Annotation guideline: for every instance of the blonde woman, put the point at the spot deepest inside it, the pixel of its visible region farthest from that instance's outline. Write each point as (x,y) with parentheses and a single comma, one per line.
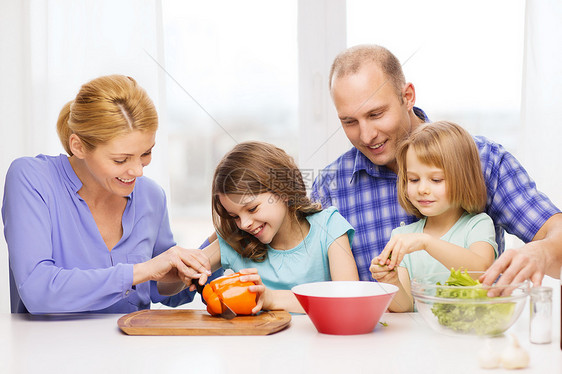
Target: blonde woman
(86,232)
(440,181)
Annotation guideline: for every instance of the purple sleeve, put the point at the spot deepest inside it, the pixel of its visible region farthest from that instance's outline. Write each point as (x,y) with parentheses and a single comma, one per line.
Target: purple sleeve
(43,286)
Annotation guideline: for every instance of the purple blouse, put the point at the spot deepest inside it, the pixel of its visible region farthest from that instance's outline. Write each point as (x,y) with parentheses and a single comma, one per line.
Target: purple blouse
(58,259)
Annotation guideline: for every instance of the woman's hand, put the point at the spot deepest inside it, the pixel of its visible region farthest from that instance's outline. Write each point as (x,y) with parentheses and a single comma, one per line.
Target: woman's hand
(176,264)
(400,245)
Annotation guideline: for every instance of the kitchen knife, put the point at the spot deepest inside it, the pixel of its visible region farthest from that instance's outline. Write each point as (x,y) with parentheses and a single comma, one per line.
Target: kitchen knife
(227,313)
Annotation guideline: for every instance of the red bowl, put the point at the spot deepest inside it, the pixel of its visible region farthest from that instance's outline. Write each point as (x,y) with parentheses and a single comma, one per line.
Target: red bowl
(345,307)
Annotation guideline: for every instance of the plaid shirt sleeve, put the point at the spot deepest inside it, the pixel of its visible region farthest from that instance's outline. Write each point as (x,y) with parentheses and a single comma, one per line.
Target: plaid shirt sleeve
(514,202)
(320,192)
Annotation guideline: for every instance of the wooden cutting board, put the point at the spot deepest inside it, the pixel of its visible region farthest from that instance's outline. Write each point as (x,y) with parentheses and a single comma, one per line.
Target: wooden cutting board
(199,322)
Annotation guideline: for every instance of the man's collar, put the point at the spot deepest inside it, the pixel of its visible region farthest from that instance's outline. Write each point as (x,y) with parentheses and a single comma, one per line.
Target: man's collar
(363,163)
(421,114)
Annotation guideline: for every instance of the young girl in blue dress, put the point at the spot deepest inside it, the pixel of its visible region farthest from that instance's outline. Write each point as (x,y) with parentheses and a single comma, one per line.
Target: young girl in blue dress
(440,181)
(268,228)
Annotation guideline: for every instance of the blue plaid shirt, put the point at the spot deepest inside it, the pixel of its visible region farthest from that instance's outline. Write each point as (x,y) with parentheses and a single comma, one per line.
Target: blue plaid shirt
(365,194)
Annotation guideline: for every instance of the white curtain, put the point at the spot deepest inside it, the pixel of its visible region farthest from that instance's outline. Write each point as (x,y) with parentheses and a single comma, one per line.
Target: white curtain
(541,109)
(48,50)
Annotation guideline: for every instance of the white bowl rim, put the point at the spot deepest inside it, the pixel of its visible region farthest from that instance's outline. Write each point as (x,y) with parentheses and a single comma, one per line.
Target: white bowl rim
(341,289)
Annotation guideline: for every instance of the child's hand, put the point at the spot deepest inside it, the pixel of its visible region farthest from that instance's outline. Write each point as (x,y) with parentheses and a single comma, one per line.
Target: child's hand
(382,273)
(399,245)
(251,274)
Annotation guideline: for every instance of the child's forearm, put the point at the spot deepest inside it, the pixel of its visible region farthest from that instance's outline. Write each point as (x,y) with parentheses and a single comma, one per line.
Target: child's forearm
(479,256)
(402,301)
(282,300)
(213,252)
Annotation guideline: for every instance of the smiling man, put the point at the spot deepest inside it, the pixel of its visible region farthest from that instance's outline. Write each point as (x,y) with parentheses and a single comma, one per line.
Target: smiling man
(375,105)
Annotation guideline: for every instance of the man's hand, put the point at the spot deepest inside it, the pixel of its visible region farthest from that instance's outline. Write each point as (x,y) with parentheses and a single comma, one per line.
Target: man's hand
(532,261)
(515,266)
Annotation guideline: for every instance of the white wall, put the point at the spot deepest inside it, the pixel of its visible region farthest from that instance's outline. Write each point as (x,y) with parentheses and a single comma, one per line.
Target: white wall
(12,103)
(541,106)
(322,35)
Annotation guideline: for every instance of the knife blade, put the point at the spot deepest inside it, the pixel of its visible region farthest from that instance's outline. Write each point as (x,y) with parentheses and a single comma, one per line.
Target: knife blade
(227,313)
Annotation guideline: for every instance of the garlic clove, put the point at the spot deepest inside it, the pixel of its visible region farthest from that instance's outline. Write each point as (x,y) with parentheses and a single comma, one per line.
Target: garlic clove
(488,358)
(514,356)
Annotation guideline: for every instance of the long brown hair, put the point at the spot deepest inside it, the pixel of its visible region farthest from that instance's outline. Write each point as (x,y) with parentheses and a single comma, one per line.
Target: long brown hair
(447,146)
(253,168)
(105,108)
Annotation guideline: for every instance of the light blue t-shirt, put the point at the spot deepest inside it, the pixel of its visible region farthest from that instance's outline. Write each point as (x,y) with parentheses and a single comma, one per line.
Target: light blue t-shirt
(307,262)
(470,228)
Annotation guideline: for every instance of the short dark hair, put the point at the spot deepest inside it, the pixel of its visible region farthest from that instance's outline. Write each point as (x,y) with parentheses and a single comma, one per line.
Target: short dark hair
(352,59)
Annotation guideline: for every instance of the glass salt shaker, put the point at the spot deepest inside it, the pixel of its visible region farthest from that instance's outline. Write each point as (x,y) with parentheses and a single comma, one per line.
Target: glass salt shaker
(540,323)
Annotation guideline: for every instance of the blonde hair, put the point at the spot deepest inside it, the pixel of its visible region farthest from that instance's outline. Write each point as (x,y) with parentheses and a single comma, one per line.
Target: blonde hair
(447,146)
(105,108)
(253,168)
(352,59)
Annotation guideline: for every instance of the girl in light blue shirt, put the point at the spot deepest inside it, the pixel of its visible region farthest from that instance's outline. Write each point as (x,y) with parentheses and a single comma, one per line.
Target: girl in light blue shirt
(440,181)
(268,228)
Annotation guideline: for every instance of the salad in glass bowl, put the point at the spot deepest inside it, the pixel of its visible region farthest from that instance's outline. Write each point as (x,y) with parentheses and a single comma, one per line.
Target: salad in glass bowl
(458,303)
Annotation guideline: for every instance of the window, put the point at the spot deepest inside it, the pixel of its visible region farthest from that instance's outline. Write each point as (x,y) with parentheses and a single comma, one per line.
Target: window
(465,59)
(231,77)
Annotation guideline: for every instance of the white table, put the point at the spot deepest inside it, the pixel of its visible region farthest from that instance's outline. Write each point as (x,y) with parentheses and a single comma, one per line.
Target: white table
(94,344)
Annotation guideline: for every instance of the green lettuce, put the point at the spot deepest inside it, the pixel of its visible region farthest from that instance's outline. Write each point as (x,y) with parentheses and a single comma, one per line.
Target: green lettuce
(480,319)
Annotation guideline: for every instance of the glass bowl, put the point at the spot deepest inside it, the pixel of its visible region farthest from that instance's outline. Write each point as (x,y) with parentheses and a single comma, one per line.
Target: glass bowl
(458,310)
